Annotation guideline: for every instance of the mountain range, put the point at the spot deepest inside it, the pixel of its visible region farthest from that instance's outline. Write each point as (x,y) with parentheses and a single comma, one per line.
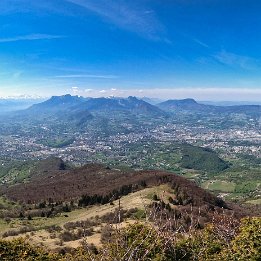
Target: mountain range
(133,104)
(74,103)
(79,111)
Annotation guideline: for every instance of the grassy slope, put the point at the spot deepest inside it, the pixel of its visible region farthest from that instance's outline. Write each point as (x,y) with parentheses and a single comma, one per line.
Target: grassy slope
(139,199)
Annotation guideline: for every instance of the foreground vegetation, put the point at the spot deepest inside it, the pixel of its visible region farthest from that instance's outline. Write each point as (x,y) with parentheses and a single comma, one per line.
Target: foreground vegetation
(220,240)
(94,212)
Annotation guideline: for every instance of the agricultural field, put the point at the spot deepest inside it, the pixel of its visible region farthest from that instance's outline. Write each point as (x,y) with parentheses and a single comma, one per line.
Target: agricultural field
(218,185)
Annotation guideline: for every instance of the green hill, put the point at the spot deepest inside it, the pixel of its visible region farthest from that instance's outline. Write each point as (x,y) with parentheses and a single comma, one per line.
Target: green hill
(202,159)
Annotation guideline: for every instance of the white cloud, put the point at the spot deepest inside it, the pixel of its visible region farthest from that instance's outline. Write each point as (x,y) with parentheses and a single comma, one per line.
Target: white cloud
(127,16)
(235,60)
(30,37)
(104,76)
(200,43)
(75,90)
(200,94)
(214,94)
(211,94)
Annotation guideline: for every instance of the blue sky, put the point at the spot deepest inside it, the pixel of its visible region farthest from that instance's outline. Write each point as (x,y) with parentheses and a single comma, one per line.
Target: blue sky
(205,49)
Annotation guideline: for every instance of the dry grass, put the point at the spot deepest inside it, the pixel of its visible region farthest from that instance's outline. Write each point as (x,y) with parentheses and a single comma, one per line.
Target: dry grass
(41,236)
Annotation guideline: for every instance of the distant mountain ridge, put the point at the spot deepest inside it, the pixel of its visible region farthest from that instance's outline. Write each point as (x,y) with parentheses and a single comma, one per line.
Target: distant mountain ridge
(57,103)
(184,104)
(71,104)
(190,105)
(10,105)
(79,110)
(131,104)
(152,101)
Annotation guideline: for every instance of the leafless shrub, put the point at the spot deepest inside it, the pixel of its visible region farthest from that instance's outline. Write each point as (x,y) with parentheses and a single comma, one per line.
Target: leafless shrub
(21,230)
(107,233)
(88,223)
(75,235)
(54,228)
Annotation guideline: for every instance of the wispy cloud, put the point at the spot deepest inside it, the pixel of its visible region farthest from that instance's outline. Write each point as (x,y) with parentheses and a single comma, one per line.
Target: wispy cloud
(127,16)
(135,16)
(200,43)
(88,76)
(235,60)
(30,37)
(29,6)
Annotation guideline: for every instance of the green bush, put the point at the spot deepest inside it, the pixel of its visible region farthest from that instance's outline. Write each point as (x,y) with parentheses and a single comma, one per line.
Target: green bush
(141,241)
(20,250)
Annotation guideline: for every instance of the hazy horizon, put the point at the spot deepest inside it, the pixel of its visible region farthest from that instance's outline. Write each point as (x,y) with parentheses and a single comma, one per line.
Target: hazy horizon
(215,95)
(26,101)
